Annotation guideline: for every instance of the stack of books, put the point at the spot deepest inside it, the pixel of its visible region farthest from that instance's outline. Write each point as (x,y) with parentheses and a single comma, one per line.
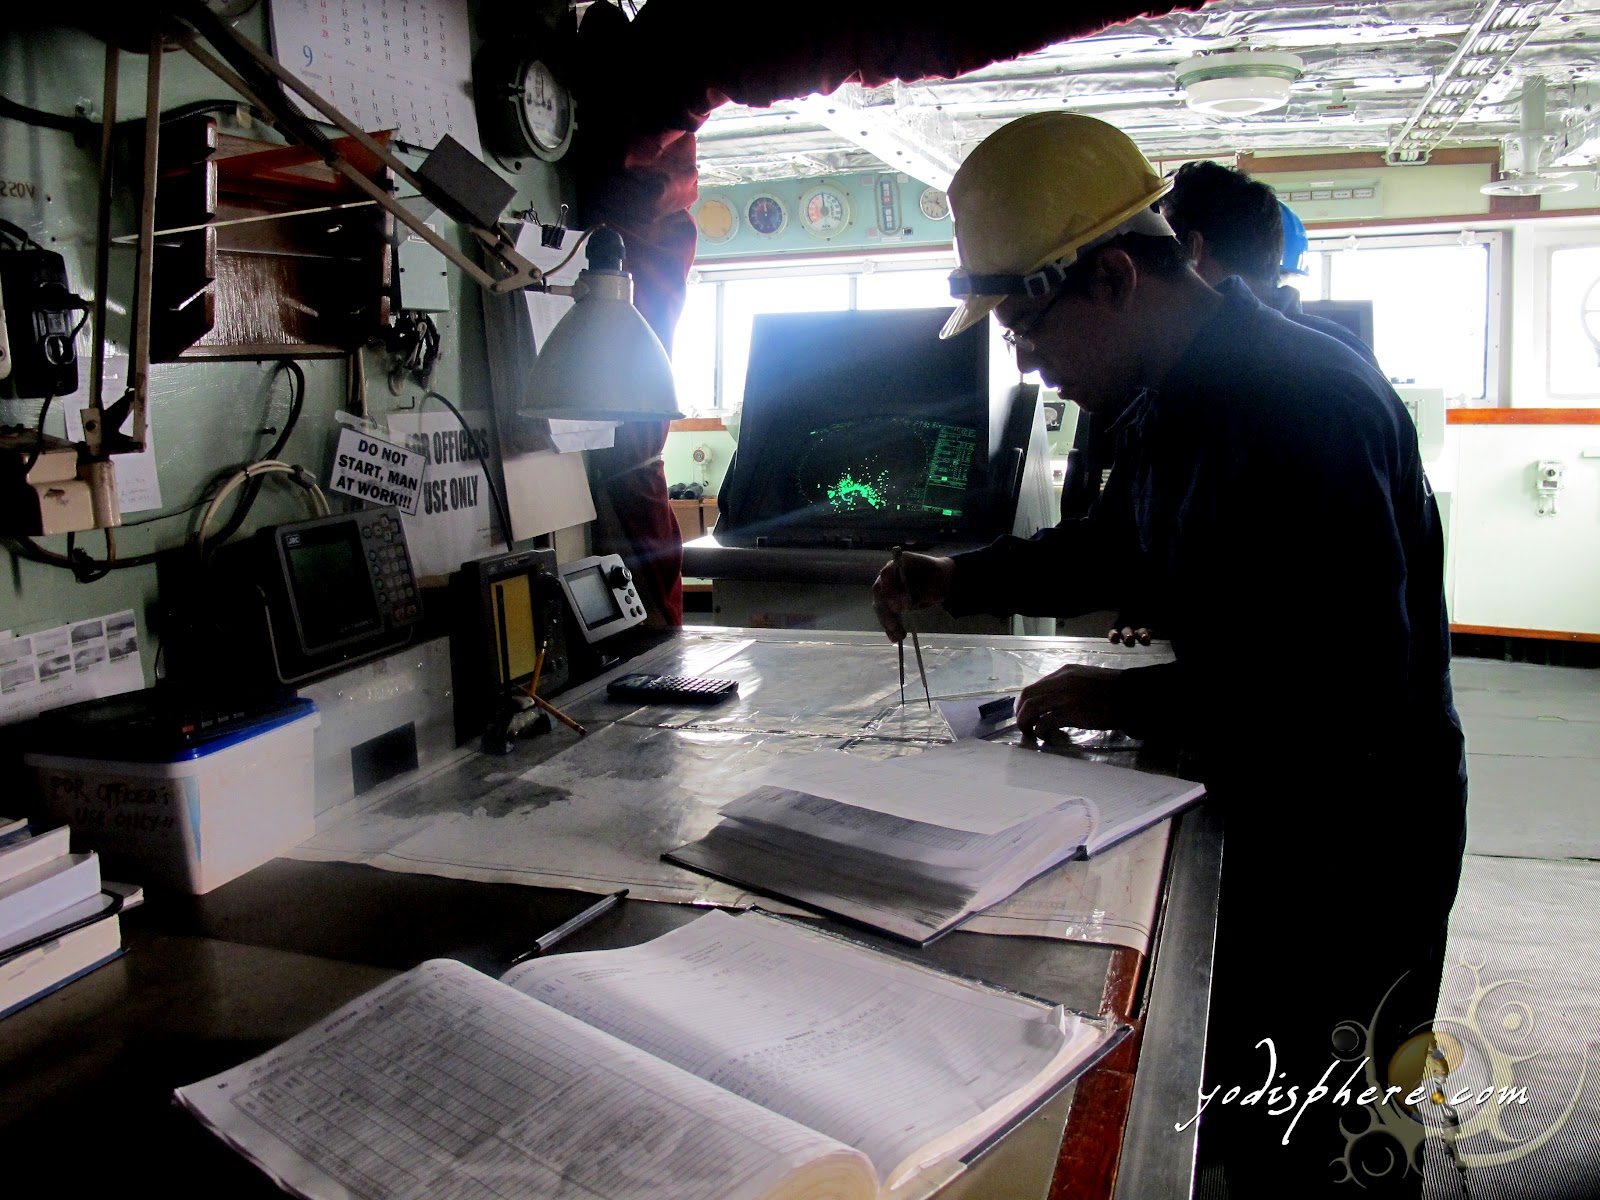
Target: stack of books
(58,920)
(912,846)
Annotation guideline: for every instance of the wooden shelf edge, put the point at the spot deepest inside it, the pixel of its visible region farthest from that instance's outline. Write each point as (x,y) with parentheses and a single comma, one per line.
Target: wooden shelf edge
(1522,416)
(696,424)
(1548,635)
(1363,160)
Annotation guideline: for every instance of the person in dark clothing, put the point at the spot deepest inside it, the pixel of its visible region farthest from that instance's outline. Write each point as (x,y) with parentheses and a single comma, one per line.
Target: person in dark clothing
(1265,476)
(1231,225)
(1234,225)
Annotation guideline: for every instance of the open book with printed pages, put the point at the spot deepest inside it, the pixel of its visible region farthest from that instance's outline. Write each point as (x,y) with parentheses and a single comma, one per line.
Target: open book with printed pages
(736,1058)
(914,845)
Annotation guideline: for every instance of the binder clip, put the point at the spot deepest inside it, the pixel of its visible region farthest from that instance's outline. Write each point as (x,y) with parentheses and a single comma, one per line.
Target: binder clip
(551,236)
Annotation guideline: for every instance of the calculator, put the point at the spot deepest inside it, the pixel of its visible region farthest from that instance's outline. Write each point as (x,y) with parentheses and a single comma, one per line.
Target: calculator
(671,689)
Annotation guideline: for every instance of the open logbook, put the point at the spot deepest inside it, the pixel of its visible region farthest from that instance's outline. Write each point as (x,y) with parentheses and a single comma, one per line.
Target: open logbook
(915,845)
(735,1058)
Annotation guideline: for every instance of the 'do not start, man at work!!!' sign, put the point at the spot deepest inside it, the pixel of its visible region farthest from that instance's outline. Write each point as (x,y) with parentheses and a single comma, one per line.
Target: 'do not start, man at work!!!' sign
(377,471)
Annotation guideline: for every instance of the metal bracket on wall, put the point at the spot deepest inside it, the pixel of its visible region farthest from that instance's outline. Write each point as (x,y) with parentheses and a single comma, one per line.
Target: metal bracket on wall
(102,426)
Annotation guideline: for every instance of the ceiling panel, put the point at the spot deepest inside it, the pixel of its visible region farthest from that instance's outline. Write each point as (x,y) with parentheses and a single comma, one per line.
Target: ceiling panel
(1368,69)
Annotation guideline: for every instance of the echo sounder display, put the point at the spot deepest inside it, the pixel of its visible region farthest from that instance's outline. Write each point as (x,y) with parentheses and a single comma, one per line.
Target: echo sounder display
(332,590)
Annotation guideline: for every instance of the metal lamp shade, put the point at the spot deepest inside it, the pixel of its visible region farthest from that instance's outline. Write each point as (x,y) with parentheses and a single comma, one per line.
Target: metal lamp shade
(602,362)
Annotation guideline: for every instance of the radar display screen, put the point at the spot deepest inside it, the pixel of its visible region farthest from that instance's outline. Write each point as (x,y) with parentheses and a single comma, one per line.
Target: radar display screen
(861,428)
(890,468)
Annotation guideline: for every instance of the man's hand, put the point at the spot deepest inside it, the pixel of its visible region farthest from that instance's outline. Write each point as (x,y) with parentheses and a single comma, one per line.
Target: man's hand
(1072,698)
(927,582)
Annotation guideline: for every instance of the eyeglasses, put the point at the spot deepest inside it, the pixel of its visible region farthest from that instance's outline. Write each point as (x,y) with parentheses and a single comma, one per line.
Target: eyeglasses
(1021,339)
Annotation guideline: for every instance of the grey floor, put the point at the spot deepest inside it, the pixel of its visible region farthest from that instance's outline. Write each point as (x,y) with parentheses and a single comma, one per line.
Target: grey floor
(1522,977)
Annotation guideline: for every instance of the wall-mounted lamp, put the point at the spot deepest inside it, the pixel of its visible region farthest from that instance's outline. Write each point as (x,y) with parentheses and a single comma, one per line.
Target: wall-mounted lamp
(602,362)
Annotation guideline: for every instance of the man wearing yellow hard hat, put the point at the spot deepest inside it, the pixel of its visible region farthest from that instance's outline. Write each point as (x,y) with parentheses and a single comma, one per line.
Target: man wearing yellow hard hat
(1268,511)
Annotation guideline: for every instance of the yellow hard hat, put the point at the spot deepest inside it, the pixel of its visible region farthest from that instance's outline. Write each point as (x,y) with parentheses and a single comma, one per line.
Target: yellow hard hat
(1035,193)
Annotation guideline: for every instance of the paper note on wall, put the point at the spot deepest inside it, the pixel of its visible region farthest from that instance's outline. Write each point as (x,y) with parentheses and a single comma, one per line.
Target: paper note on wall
(456,520)
(546,491)
(377,471)
(88,659)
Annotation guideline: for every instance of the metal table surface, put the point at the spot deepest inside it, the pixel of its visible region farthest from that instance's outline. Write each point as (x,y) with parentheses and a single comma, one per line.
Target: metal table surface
(212,980)
(708,558)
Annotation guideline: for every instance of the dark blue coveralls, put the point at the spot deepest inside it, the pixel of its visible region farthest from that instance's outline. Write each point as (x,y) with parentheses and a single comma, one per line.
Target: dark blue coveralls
(1287,301)
(1093,443)
(1268,511)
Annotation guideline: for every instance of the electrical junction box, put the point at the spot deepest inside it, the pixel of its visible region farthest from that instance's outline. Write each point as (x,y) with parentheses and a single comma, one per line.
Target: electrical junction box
(51,498)
(424,283)
(1548,476)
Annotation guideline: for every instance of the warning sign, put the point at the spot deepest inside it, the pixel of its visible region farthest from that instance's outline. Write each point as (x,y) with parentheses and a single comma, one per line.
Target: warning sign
(377,471)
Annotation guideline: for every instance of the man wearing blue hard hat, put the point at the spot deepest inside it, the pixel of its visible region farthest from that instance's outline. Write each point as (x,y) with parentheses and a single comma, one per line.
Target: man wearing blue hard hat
(1266,477)
(1232,224)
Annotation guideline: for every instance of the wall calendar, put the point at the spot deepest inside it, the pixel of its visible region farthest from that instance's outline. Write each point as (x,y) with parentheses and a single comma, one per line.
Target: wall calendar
(404,65)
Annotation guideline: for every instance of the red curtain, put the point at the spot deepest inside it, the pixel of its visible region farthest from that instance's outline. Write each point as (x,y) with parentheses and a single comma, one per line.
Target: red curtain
(644,87)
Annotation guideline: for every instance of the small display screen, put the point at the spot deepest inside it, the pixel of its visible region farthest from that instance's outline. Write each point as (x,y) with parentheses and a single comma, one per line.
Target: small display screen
(332,589)
(596,602)
(515,643)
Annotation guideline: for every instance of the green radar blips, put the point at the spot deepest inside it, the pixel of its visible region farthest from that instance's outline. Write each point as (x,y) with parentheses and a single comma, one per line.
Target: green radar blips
(849,492)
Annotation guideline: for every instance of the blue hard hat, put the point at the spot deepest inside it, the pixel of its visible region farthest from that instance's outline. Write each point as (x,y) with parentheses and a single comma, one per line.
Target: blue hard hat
(1294,242)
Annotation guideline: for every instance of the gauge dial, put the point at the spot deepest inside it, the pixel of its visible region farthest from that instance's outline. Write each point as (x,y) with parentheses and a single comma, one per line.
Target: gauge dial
(545,109)
(825,211)
(767,215)
(935,205)
(716,221)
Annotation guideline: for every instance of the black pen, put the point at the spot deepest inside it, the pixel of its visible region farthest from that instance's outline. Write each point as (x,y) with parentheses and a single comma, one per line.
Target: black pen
(562,931)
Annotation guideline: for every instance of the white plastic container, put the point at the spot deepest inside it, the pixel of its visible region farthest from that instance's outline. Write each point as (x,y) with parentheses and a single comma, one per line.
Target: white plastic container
(197,821)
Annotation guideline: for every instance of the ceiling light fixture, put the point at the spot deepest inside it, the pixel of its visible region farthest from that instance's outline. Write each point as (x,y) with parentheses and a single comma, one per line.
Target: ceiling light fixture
(1239,83)
(1522,154)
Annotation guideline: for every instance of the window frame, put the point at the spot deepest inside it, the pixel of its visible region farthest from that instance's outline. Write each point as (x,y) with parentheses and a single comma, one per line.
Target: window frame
(1332,241)
(1532,359)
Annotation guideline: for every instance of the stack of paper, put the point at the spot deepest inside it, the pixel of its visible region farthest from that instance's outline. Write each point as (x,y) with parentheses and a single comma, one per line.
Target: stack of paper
(56,922)
(915,845)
